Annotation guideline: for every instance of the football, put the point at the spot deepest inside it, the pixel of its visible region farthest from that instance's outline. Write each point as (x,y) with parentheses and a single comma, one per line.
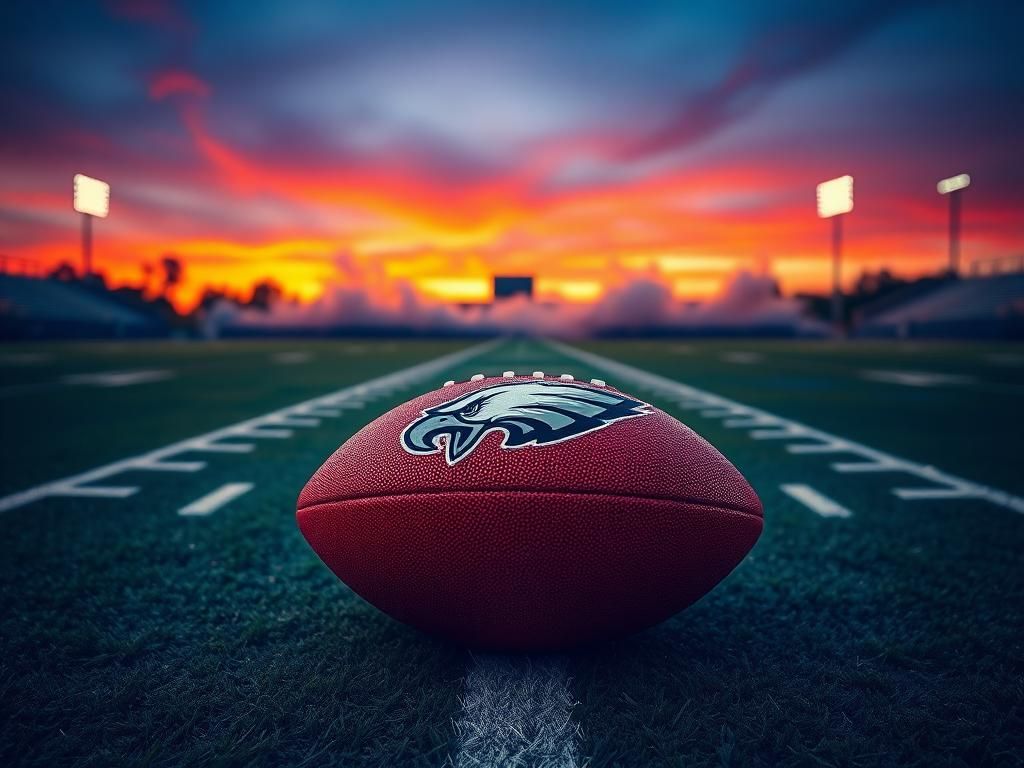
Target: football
(529,513)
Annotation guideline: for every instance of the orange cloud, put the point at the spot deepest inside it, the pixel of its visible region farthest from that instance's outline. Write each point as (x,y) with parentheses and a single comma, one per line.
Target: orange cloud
(687,229)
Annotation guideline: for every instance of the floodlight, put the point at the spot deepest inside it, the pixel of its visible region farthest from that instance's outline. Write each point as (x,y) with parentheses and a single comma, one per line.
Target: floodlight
(953,183)
(835,197)
(951,188)
(92,196)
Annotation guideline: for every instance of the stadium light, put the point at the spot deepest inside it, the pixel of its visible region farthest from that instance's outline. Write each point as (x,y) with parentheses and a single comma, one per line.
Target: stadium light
(92,196)
(835,199)
(954,183)
(91,199)
(952,187)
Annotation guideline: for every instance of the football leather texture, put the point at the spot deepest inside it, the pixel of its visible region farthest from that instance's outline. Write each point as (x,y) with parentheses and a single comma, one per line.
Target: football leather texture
(528,513)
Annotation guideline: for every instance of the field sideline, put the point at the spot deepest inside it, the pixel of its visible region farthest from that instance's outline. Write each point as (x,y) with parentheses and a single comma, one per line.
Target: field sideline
(876,621)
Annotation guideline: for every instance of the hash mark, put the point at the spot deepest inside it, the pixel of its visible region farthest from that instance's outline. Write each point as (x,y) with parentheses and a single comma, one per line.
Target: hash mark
(817,502)
(211,502)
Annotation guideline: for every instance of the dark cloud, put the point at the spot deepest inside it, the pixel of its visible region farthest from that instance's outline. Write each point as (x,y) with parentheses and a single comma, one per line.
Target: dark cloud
(784,49)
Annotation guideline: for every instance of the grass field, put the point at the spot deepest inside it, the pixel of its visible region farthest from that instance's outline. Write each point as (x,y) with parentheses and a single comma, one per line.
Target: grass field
(875,629)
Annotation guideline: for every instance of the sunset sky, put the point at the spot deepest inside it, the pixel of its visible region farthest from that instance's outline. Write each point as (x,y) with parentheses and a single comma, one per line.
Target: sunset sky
(440,143)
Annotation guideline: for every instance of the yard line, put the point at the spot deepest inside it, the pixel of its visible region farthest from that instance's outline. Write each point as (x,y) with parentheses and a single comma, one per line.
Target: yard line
(839,446)
(266,434)
(104,379)
(223,447)
(296,421)
(95,491)
(119,378)
(744,423)
(817,502)
(173,466)
(322,413)
(782,432)
(77,485)
(916,378)
(742,358)
(291,358)
(876,461)
(211,502)
(517,710)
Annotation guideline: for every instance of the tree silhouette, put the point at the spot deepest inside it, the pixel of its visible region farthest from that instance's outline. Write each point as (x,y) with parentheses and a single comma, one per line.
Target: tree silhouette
(63,272)
(173,272)
(265,293)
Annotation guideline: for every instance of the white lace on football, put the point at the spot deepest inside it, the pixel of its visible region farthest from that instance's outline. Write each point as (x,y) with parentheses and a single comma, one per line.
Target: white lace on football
(509,374)
(598,382)
(477,377)
(567,377)
(449,383)
(538,374)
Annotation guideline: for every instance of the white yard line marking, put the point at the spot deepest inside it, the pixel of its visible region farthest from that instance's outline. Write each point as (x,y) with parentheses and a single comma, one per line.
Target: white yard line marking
(814,501)
(173,466)
(323,413)
(212,442)
(517,710)
(95,491)
(118,378)
(291,358)
(742,358)
(212,447)
(211,502)
(941,484)
(264,433)
(297,421)
(916,378)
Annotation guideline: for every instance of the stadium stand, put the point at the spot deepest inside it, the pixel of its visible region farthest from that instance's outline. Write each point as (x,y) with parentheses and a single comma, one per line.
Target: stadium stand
(979,307)
(32,308)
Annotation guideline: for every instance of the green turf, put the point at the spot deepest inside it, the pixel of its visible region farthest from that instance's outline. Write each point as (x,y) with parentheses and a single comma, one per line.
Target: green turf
(974,428)
(132,635)
(53,428)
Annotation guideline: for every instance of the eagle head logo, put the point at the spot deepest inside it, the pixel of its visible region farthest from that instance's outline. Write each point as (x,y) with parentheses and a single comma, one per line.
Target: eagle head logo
(527,412)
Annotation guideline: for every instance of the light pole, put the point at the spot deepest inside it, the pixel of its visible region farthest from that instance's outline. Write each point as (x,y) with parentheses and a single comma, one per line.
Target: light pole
(835,198)
(92,199)
(952,187)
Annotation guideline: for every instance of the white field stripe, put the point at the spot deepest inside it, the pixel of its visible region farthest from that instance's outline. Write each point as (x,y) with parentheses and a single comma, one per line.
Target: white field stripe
(814,501)
(322,413)
(118,378)
(211,502)
(876,461)
(291,358)
(742,358)
(256,427)
(517,711)
(916,378)
(174,466)
(96,491)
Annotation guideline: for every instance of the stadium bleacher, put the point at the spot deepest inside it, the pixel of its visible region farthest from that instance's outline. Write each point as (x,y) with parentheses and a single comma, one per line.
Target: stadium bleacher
(45,308)
(978,307)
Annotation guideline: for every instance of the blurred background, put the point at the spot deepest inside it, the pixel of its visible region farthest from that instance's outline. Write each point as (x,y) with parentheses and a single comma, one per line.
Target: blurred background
(597,168)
